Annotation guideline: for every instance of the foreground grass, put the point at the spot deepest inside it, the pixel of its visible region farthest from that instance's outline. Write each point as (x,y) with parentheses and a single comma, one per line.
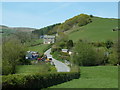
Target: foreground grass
(94,77)
(43,68)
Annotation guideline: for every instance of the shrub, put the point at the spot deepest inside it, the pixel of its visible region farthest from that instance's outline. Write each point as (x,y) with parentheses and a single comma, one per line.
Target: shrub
(7,68)
(113,58)
(86,55)
(109,44)
(54,49)
(69,44)
(37,80)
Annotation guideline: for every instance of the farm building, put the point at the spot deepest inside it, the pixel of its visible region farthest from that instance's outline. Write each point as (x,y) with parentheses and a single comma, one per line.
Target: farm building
(65,50)
(48,39)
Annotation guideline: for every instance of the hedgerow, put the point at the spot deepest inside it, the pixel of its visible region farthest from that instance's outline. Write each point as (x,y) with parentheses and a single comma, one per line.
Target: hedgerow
(37,80)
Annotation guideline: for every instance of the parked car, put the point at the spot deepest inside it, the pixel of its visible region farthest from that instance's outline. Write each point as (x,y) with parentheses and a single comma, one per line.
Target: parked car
(49,57)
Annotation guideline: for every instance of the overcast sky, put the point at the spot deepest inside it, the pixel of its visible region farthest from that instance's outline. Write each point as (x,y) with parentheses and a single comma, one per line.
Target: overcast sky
(41,14)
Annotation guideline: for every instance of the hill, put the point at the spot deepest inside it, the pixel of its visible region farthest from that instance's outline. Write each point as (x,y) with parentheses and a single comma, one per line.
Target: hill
(76,21)
(86,27)
(100,29)
(8,30)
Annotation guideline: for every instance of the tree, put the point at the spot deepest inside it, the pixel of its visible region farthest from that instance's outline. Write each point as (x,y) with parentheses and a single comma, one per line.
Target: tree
(13,52)
(91,16)
(85,55)
(69,44)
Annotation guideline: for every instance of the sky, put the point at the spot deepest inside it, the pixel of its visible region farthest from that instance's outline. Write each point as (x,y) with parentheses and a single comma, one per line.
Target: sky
(41,14)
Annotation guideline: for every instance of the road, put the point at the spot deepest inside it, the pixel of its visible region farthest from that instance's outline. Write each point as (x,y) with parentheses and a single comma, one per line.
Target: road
(61,67)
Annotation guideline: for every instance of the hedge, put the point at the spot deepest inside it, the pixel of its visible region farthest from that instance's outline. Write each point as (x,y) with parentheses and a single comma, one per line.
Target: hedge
(37,80)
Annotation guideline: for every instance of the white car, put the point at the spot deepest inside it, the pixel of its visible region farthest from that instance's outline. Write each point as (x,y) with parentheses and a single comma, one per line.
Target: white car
(49,57)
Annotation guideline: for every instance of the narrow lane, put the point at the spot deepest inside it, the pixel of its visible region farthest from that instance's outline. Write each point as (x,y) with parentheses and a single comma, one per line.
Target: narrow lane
(61,67)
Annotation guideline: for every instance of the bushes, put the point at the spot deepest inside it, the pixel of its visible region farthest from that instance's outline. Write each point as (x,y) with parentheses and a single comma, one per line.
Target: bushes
(86,55)
(37,80)
(13,54)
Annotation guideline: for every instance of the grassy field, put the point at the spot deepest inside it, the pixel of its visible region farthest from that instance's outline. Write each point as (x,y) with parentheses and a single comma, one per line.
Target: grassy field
(99,30)
(39,48)
(94,77)
(36,42)
(43,68)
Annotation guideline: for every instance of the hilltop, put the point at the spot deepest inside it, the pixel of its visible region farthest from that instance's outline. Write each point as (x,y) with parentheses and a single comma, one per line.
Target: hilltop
(84,26)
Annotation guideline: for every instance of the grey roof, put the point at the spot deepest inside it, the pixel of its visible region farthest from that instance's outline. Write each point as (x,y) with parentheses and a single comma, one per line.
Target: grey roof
(49,36)
(64,50)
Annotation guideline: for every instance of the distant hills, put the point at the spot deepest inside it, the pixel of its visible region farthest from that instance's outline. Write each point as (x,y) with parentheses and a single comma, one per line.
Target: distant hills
(9,30)
(25,29)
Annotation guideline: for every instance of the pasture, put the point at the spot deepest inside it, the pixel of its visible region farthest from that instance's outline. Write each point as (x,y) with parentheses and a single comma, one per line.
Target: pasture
(99,30)
(94,77)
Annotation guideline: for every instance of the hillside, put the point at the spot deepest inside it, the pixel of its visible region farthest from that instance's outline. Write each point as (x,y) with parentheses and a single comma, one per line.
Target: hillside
(76,21)
(86,27)
(100,29)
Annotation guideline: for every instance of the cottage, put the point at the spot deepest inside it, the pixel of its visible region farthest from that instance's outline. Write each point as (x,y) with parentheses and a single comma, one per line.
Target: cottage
(65,50)
(31,55)
(48,39)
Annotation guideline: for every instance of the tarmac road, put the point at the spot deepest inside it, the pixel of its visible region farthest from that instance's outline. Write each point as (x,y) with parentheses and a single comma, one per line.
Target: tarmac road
(61,67)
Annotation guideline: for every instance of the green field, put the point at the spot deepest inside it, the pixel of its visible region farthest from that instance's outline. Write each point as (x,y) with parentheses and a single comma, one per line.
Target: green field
(94,77)
(36,42)
(99,30)
(43,68)
(39,48)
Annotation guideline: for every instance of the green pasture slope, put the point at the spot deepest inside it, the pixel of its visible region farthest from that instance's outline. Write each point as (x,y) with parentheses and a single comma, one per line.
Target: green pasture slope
(99,30)
(94,77)
(39,48)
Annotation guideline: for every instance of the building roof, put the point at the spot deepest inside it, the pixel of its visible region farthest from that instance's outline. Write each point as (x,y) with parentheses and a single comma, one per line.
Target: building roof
(64,50)
(49,36)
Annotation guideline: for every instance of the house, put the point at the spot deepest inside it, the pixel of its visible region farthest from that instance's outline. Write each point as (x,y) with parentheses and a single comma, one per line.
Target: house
(48,39)
(31,55)
(65,50)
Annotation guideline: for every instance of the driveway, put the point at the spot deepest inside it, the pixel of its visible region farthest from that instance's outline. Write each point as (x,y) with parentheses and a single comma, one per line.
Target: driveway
(61,67)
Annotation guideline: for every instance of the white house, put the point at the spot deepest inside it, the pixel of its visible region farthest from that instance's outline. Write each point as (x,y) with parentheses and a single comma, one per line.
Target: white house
(48,39)
(65,50)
